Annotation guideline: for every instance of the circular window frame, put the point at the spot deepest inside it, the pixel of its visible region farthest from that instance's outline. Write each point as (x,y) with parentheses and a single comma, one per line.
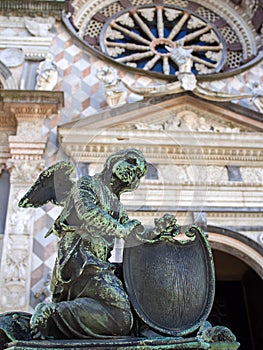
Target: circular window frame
(170,43)
(86,13)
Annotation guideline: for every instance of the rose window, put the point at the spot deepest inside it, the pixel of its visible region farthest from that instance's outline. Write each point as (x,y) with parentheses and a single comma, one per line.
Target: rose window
(144,38)
(142,35)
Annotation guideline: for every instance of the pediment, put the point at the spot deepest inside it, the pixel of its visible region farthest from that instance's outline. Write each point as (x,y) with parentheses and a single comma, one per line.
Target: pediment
(183,112)
(182,128)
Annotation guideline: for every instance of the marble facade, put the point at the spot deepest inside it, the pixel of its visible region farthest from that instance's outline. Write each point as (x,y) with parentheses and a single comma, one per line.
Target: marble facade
(208,156)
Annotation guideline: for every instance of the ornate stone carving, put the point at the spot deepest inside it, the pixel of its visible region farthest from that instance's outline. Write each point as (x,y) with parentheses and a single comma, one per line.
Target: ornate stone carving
(210,38)
(195,23)
(39,26)
(27,113)
(189,121)
(257,95)
(115,51)
(147,13)
(16,268)
(173,173)
(237,21)
(171,14)
(47,75)
(216,174)
(43,293)
(113,34)
(15,272)
(19,221)
(114,95)
(252,175)
(156,47)
(24,172)
(12,57)
(182,174)
(126,20)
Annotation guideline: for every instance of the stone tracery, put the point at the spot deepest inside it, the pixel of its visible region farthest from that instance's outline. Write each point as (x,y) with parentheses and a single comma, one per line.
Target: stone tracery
(112,28)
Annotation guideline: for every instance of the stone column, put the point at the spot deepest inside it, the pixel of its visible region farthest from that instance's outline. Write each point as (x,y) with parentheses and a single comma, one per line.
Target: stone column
(26,161)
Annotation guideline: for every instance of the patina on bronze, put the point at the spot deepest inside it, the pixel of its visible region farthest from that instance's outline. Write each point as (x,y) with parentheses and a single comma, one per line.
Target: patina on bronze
(169,282)
(177,276)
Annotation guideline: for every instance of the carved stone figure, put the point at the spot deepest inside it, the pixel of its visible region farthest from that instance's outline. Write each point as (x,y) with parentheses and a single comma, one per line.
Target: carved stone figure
(47,74)
(114,95)
(39,26)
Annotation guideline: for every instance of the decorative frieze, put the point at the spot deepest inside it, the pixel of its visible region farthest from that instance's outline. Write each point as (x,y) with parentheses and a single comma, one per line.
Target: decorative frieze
(178,148)
(33,8)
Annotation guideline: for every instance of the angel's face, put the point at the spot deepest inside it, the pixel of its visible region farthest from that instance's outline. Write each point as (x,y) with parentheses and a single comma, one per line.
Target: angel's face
(129,171)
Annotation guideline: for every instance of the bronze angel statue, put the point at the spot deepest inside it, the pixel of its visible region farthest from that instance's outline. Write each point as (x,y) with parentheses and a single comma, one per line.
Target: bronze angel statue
(88,299)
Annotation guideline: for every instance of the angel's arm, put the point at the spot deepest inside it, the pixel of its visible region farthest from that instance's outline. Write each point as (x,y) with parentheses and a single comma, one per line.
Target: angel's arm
(95,219)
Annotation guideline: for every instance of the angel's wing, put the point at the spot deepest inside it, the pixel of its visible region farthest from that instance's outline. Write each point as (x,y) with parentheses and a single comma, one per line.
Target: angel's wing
(52,185)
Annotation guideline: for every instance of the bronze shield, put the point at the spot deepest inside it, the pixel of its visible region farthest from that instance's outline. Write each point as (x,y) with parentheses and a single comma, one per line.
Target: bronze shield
(171,283)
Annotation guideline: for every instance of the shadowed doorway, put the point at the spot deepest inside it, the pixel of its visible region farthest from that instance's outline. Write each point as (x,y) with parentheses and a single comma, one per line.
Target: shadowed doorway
(238,302)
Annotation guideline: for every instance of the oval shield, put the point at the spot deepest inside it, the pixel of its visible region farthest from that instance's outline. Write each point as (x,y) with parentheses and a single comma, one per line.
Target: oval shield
(171,283)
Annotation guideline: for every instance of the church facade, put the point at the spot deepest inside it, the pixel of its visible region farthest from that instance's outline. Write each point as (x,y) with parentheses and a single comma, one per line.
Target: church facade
(181,81)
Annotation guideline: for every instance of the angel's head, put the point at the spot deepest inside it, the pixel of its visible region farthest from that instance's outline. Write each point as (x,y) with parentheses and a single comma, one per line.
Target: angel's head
(124,169)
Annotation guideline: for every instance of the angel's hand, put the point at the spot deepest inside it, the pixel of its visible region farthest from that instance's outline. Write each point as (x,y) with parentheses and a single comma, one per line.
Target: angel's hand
(132,226)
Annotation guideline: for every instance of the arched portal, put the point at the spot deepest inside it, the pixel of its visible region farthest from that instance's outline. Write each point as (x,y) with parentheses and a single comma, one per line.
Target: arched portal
(238,300)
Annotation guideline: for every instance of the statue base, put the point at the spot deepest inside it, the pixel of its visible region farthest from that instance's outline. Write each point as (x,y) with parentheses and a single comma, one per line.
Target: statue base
(163,343)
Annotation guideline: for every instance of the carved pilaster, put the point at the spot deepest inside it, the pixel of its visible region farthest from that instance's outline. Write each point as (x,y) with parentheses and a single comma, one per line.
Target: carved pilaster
(18,238)
(26,148)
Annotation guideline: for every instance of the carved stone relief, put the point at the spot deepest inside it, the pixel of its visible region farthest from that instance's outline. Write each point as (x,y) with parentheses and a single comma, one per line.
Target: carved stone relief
(39,26)
(47,75)
(193,174)
(252,175)
(15,269)
(25,161)
(188,120)
(12,57)
(24,172)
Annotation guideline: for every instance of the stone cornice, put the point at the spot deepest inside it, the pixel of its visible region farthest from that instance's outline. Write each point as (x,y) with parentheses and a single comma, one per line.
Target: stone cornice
(32,96)
(206,148)
(30,105)
(26,150)
(33,8)
(21,117)
(26,43)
